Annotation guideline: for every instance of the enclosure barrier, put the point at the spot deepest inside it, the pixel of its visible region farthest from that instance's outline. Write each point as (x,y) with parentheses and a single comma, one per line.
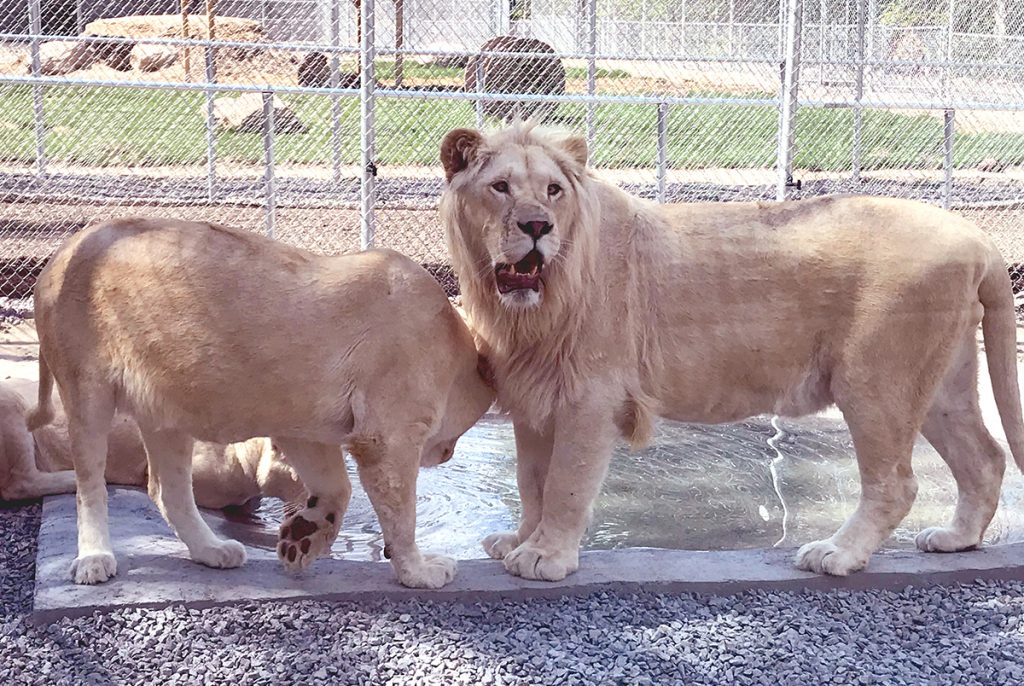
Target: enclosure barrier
(318,121)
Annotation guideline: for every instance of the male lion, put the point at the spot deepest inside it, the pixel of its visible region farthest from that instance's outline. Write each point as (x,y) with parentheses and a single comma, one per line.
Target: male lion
(599,311)
(198,330)
(38,463)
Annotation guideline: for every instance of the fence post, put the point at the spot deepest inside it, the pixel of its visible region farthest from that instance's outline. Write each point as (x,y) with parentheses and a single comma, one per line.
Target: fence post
(211,131)
(948,126)
(662,149)
(949,53)
(367,54)
(335,31)
(683,50)
(35,20)
(268,160)
(790,88)
(858,95)
(591,69)
(478,73)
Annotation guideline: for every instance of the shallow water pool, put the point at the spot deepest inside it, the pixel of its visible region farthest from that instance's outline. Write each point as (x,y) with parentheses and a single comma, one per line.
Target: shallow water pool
(755,484)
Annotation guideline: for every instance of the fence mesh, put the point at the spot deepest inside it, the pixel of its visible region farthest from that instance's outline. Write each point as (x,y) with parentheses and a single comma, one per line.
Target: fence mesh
(319,121)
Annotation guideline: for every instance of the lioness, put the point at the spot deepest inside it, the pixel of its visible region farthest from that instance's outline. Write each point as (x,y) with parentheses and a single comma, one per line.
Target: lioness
(38,463)
(206,331)
(599,311)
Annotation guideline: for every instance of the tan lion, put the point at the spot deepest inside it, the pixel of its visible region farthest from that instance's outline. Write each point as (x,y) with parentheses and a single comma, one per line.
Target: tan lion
(38,463)
(600,311)
(200,330)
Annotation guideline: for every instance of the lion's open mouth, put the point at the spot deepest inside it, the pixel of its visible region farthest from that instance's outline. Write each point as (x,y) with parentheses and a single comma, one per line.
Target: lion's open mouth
(524,274)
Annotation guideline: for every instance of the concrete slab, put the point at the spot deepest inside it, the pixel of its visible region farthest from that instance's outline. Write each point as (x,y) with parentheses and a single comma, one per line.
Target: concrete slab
(154,570)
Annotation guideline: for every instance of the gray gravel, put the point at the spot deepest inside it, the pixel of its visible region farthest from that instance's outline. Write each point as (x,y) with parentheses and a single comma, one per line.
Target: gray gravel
(969,634)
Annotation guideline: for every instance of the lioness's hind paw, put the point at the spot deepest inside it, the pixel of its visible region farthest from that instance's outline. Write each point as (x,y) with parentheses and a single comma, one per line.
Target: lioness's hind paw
(825,557)
(307,534)
(93,569)
(435,571)
(499,545)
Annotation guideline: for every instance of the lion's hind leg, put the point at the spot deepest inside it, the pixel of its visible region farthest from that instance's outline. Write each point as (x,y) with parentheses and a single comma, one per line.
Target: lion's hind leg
(169,453)
(309,532)
(90,409)
(955,429)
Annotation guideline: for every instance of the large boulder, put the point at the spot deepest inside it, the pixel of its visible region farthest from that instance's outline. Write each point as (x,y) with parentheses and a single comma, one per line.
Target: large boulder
(315,72)
(153,57)
(514,74)
(63,57)
(244,114)
(169,26)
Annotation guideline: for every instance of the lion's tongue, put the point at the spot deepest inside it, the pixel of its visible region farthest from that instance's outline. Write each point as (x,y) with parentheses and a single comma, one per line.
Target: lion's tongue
(522,275)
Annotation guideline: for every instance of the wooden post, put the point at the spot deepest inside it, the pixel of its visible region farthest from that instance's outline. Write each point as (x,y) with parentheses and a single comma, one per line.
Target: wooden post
(399,40)
(185,36)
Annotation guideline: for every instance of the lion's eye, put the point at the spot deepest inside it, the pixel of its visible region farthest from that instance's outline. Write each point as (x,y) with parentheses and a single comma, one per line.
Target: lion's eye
(554,189)
(500,186)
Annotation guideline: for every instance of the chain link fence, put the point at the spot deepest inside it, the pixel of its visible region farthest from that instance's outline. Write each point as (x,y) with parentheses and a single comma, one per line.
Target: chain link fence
(318,121)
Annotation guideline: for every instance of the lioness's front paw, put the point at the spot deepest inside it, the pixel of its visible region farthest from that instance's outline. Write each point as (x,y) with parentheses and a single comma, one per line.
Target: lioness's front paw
(500,545)
(226,554)
(307,534)
(532,562)
(825,557)
(939,539)
(434,571)
(93,569)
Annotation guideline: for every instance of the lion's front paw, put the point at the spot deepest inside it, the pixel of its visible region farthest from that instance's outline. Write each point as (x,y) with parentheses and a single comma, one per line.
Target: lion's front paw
(433,571)
(501,544)
(825,557)
(939,539)
(308,534)
(93,569)
(533,562)
(220,555)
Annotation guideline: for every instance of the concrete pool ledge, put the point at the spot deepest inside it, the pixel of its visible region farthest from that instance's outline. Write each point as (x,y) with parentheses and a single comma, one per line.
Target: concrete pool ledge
(154,570)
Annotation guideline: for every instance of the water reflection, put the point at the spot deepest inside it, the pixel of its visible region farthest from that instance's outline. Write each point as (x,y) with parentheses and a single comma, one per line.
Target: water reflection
(753,484)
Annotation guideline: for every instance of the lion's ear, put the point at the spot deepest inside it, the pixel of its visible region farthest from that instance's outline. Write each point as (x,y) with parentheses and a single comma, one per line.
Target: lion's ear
(576,146)
(458,149)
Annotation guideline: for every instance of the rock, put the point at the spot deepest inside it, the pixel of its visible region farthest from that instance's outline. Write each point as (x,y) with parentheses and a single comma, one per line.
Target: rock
(62,57)
(169,26)
(244,114)
(315,72)
(153,57)
(512,74)
(115,54)
(991,164)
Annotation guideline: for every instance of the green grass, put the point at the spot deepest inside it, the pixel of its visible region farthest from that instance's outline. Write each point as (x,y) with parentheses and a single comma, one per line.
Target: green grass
(117,126)
(600,72)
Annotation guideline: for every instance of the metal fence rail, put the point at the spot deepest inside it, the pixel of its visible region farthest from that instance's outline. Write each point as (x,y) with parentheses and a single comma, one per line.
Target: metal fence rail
(318,121)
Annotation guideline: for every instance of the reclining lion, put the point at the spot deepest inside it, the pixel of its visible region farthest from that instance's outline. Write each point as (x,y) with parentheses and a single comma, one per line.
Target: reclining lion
(38,463)
(599,311)
(200,330)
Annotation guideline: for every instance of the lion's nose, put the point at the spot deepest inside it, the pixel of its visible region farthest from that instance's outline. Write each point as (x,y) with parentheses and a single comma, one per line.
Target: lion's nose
(535,229)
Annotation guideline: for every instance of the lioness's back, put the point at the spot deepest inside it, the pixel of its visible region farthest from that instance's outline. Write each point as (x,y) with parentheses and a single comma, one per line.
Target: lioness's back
(240,317)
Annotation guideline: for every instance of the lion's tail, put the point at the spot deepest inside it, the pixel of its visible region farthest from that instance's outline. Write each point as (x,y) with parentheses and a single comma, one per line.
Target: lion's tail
(42,413)
(999,326)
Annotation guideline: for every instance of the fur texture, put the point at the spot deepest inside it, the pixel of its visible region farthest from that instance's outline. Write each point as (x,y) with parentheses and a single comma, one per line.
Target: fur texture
(38,463)
(198,330)
(714,312)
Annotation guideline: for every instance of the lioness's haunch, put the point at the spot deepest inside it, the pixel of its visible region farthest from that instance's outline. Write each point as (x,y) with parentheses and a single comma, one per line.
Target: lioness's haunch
(38,463)
(599,311)
(198,330)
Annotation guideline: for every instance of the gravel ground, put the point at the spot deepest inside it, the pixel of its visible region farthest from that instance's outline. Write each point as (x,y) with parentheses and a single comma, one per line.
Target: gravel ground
(968,634)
